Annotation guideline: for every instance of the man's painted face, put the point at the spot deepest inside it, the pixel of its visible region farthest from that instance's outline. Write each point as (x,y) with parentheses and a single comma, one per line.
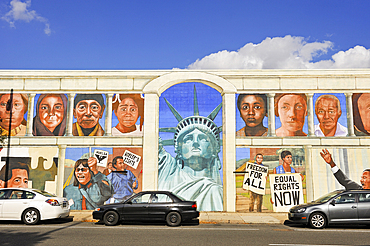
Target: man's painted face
(252,110)
(327,113)
(127,112)
(365,180)
(88,113)
(17,111)
(51,111)
(196,144)
(82,174)
(19,178)
(120,166)
(259,159)
(364,108)
(288,159)
(292,111)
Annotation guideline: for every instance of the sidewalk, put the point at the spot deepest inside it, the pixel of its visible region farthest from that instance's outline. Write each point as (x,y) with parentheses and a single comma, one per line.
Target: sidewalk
(212,217)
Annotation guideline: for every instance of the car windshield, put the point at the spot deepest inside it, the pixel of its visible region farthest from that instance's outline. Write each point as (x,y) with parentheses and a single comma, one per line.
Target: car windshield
(328,196)
(44,193)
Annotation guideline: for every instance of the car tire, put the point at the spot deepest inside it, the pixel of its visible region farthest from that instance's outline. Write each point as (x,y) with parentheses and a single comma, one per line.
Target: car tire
(318,221)
(111,218)
(173,219)
(31,216)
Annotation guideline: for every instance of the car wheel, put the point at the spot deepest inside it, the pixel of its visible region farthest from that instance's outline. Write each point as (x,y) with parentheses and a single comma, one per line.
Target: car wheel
(31,216)
(111,218)
(173,219)
(318,221)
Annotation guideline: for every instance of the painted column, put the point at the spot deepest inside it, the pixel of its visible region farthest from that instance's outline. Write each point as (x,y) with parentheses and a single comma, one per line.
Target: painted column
(71,99)
(309,174)
(271,115)
(150,142)
(229,154)
(31,102)
(60,170)
(350,124)
(108,115)
(310,114)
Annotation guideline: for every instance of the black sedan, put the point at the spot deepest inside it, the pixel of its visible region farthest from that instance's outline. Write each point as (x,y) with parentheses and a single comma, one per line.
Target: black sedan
(149,206)
(340,206)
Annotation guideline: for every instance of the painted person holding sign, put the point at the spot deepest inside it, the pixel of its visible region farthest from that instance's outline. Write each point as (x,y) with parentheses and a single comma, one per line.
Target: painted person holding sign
(124,181)
(254,196)
(286,157)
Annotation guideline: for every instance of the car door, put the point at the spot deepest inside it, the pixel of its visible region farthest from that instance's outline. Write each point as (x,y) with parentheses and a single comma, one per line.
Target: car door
(364,207)
(344,208)
(159,205)
(136,208)
(15,204)
(3,196)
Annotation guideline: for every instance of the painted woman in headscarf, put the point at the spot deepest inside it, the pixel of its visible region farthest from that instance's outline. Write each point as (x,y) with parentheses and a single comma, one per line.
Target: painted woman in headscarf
(51,115)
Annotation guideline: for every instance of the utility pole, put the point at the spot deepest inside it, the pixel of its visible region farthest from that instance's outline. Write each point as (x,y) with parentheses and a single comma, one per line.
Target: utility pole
(9,107)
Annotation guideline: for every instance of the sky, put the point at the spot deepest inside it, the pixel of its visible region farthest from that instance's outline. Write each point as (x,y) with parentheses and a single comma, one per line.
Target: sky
(207,34)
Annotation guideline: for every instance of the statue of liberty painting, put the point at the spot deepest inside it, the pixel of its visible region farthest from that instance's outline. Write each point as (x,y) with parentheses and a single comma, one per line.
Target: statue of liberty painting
(194,172)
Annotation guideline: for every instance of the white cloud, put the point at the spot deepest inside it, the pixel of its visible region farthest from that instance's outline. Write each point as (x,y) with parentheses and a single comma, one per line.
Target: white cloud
(19,11)
(284,53)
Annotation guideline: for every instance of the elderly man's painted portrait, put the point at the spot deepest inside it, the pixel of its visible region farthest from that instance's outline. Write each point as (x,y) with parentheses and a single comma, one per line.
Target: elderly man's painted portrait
(17,123)
(291,110)
(361,113)
(330,112)
(50,115)
(190,157)
(88,112)
(128,115)
(251,115)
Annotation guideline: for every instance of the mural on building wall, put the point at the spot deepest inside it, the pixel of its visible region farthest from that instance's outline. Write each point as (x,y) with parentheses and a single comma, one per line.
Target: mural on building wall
(253,184)
(252,109)
(128,115)
(361,113)
(331,112)
(19,114)
(190,147)
(96,176)
(50,115)
(291,108)
(88,110)
(34,167)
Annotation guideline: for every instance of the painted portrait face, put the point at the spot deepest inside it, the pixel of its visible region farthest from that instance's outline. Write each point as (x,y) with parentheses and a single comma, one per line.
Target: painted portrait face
(82,174)
(19,178)
(88,113)
(127,112)
(196,144)
(259,159)
(365,180)
(292,111)
(120,166)
(17,111)
(252,110)
(288,159)
(364,109)
(51,111)
(327,113)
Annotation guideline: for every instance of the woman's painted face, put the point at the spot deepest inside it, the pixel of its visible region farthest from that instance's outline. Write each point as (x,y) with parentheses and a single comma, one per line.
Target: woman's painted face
(127,112)
(292,111)
(82,174)
(196,144)
(364,109)
(252,110)
(51,111)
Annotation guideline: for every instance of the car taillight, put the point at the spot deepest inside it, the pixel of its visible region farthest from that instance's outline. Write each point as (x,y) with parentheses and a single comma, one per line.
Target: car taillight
(52,202)
(194,205)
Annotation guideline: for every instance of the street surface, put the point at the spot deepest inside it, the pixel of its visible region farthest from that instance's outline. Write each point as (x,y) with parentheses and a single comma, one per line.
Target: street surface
(64,232)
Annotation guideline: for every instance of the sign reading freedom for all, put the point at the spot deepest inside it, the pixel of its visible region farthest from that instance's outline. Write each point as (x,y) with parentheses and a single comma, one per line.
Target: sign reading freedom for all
(255,178)
(286,191)
(102,157)
(131,159)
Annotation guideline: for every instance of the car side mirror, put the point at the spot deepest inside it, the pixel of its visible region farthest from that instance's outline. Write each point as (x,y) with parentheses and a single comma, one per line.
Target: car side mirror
(332,202)
(129,202)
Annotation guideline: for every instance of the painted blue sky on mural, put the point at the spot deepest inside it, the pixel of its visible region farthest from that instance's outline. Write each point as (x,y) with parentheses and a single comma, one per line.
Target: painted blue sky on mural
(183,34)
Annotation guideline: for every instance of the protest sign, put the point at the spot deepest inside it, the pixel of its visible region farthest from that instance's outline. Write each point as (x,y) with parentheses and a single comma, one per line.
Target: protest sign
(102,157)
(131,159)
(255,178)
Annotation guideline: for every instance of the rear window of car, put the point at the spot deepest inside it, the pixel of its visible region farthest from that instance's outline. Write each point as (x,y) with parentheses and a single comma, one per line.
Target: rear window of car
(364,197)
(44,193)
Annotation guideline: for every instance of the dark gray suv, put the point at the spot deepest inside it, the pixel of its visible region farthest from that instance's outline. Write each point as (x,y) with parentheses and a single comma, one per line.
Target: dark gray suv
(340,206)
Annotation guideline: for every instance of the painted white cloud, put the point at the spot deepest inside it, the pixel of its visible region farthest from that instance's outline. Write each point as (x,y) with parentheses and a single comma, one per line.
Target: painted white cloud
(284,53)
(19,11)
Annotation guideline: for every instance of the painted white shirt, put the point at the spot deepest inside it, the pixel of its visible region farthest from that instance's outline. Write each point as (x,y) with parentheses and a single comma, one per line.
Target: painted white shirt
(136,133)
(341,131)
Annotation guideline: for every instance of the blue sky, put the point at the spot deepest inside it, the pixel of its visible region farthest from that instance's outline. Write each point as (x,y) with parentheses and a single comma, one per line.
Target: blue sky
(205,34)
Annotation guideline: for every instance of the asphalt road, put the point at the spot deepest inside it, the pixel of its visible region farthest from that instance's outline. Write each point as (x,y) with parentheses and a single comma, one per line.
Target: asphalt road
(89,233)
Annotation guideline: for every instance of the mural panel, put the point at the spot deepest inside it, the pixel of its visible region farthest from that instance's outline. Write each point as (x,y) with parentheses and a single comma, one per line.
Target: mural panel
(361,113)
(19,114)
(190,145)
(97,176)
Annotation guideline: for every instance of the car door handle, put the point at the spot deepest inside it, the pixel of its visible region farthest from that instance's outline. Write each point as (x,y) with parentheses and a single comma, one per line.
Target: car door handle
(354,207)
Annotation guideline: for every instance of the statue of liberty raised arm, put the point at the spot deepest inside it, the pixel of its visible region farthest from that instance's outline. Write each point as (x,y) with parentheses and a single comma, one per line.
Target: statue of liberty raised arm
(194,173)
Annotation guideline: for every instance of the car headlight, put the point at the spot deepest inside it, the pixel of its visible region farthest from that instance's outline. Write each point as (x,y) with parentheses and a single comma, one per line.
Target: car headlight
(301,210)
(97,209)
